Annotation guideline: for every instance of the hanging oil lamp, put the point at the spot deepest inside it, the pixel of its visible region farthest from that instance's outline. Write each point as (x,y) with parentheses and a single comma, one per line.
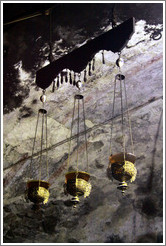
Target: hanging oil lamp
(76,182)
(121,164)
(38,188)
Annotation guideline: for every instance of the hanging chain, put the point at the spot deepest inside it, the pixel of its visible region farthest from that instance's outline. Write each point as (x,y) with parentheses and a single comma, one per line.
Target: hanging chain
(33,148)
(119,63)
(46,148)
(68,161)
(122,118)
(50,42)
(113,107)
(43,111)
(78,131)
(129,119)
(86,144)
(41,144)
(44,121)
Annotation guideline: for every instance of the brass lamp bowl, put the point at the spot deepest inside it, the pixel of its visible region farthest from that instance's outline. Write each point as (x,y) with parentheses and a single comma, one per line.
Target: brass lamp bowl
(119,158)
(37,191)
(122,168)
(76,184)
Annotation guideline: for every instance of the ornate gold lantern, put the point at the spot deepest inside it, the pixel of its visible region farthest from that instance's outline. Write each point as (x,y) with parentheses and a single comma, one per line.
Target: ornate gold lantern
(38,186)
(121,165)
(76,181)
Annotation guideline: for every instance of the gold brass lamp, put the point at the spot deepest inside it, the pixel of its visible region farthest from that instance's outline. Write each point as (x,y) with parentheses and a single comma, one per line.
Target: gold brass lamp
(76,182)
(121,164)
(38,186)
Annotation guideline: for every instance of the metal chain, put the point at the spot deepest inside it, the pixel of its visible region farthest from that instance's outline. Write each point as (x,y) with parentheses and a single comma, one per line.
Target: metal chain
(50,42)
(34,145)
(46,147)
(86,144)
(129,119)
(78,131)
(41,145)
(122,118)
(113,106)
(68,161)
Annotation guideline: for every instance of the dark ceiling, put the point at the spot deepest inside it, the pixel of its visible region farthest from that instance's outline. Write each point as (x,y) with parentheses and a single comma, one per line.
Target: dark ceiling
(15,11)
(73,23)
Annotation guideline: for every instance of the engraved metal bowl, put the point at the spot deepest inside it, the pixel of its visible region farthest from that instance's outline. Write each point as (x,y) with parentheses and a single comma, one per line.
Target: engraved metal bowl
(121,168)
(37,191)
(77,184)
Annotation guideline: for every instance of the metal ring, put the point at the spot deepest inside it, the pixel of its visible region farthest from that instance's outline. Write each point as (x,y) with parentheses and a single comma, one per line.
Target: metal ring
(156,36)
(43,111)
(120,76)
(78,96)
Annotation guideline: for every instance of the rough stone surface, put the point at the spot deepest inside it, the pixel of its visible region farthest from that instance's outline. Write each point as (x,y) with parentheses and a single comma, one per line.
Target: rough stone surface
(105,216)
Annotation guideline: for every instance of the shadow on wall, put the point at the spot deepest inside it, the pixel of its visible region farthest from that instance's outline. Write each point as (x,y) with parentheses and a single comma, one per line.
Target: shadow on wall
(114,239)
(150,181)
(146,238)
(148,187)
(150,238)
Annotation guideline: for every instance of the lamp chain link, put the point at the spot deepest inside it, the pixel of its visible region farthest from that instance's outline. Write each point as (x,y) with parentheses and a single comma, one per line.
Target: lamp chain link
(86,145)
(68,161)
(78,131)
(112,122)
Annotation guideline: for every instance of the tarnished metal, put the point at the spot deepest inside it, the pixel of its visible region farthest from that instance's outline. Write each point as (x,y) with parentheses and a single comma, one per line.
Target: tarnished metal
(78,96)
(120,77)
(119,158)
(123,186)
(43,98)
(119,62)
(75,200)
(37,191)
(42,111)
(122,169)
(76,184)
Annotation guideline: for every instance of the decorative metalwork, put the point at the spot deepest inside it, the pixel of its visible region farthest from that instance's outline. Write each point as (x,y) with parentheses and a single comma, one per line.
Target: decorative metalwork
(76,182)
(114,40)
(37,190)
(121,166)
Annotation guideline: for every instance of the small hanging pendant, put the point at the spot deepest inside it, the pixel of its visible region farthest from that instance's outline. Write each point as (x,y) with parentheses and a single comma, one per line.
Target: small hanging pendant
(61,78)
(74,82)
(85,79)
(57,82)
(53,85)
(66,78)
(93,64)
(78,83)
(103,60)
(70,78)
(89,69)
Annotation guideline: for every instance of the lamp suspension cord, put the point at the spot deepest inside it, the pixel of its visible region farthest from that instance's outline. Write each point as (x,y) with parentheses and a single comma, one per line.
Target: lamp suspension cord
(86,144)
(41,145)
(112,122)
(78,131)
(68,161)
(129,119)
(34,145)
(43,111)
(122,118)
(46,148)
(50,42)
